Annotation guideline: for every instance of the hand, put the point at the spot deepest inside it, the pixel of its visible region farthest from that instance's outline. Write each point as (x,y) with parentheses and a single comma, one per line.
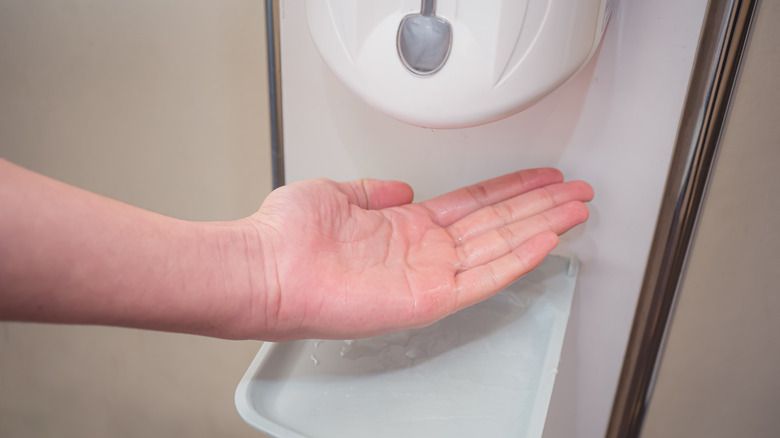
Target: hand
(346,260)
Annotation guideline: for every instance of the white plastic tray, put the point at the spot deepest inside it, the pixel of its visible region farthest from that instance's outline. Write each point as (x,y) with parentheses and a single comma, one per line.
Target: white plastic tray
(486,371)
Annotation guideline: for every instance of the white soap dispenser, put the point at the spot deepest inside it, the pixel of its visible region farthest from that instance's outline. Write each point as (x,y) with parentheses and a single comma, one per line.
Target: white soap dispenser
(455,63)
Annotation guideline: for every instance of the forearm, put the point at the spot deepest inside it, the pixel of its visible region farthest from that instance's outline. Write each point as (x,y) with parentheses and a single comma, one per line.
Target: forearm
(67,255)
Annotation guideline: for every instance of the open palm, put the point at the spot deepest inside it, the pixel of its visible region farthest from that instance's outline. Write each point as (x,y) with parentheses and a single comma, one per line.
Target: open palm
(345,260)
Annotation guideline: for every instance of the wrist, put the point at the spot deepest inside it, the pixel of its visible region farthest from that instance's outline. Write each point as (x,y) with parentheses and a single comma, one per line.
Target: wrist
(240,263)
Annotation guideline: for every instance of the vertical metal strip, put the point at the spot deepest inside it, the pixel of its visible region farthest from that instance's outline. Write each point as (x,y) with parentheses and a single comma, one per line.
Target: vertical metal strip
(273,40)
(722,43)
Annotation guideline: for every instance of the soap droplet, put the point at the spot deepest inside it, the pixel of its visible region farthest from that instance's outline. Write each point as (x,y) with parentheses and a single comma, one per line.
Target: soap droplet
(314,359)
(412,353)
(346,348)
(317,343)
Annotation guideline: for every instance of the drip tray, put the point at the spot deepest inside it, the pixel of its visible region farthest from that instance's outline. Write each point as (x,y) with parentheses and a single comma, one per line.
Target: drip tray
(485,371)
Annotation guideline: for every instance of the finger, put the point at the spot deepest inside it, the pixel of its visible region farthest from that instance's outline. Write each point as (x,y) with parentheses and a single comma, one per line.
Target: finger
(503,240)
(519,207)
(373,194)
(484,281)
(450,207)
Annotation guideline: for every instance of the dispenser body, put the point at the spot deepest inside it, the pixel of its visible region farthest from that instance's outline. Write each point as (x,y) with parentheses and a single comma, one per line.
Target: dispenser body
(488,59)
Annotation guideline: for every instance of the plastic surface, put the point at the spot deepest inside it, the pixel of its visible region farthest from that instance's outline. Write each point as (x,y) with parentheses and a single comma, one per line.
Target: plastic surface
(613,124)
(486,371)
(505,54)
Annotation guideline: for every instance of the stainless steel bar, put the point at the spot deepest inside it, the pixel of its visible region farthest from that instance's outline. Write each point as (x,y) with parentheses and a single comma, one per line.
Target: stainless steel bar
(273,39)
(721,45)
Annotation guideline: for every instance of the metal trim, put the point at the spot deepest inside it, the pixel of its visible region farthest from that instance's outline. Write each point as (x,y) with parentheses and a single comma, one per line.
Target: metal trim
(273,46)
(721,47)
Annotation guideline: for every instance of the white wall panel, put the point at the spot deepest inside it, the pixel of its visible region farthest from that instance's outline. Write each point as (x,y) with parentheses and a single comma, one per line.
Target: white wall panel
(613,124)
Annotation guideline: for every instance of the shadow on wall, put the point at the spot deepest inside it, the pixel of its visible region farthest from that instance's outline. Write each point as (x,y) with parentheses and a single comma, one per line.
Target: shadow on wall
(550,122)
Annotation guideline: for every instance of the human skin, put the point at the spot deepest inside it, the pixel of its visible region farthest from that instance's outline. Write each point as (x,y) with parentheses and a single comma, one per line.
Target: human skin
(319,259)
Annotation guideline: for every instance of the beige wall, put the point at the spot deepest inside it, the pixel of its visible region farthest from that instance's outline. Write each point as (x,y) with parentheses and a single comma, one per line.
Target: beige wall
(720,371)
(162,104)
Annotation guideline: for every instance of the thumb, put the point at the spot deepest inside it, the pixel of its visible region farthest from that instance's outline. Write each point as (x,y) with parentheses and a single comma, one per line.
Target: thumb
(374,194)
